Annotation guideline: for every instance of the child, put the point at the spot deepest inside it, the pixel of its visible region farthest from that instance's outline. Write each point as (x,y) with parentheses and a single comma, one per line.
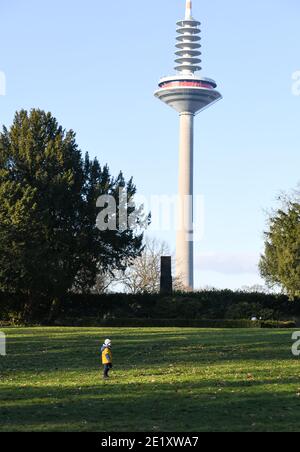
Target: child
(106,357)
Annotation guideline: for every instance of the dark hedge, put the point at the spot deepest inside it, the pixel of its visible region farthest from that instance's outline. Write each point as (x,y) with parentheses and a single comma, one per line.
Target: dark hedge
(212,305)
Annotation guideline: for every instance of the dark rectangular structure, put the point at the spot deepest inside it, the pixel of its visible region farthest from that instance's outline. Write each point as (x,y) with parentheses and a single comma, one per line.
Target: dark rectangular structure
(166,282)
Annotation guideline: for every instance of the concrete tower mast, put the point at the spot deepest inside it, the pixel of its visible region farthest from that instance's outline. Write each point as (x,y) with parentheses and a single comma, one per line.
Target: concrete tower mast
(189,94)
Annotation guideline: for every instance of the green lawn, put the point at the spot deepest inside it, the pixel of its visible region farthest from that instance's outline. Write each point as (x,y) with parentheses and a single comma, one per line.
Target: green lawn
(163,380)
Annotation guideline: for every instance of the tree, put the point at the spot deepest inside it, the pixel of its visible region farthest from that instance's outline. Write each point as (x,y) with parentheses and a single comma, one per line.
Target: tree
(280,264)
(49,241)
(102,283)
(143,276)
(256,288)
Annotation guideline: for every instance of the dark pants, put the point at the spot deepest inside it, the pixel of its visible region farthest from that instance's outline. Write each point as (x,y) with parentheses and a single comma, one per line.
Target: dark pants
(107,368)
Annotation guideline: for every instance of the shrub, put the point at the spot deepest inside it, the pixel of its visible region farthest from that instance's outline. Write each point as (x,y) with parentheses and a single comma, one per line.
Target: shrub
(170,323)
(211,305)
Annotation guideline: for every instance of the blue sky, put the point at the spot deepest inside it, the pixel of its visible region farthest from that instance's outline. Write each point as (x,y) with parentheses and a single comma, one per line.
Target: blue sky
(95,65)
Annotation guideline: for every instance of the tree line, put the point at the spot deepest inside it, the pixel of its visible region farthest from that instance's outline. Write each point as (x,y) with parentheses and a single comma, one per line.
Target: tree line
(49,241)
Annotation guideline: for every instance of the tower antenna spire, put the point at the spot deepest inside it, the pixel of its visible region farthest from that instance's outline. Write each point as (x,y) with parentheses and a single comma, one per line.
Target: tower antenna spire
(188,10)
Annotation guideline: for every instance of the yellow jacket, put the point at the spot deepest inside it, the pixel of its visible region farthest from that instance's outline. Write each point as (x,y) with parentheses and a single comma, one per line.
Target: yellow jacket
(106,355)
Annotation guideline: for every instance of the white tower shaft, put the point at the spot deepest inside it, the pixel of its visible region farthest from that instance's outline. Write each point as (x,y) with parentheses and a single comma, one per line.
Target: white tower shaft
(185,244)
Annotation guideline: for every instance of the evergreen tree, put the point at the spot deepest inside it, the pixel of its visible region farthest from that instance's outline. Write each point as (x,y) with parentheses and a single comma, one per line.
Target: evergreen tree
(280,264)
(49,241)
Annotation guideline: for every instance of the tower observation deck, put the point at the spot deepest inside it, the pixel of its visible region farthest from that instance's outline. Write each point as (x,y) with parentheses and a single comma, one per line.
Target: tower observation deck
(188,93)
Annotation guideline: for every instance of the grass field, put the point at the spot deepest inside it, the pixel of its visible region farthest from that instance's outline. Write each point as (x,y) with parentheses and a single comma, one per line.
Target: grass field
(163,380)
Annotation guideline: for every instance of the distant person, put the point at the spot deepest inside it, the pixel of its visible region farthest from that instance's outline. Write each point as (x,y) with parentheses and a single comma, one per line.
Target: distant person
(106,358)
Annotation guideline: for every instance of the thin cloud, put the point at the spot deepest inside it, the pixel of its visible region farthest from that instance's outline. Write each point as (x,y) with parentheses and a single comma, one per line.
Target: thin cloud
(228,263)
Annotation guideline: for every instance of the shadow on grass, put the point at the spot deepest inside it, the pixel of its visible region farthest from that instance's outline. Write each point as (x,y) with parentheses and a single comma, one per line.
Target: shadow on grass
(65,349)
(148,407)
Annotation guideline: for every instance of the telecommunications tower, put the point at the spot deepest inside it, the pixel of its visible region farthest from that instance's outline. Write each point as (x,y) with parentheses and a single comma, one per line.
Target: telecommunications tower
(188,93)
